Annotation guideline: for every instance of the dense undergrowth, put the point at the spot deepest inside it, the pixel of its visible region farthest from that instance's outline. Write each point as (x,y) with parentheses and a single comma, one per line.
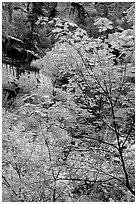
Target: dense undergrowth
(71,137)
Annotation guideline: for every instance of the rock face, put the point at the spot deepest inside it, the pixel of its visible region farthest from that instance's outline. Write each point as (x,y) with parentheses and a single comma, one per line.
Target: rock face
(14,48)
(10,90)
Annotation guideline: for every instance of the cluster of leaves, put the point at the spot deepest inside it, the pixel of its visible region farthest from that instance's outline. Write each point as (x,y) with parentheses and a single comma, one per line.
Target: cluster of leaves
(77,144)
(97,96)
(118,12)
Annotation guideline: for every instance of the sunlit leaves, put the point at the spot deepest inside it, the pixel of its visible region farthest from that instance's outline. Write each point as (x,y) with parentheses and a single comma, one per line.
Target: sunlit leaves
(103,24)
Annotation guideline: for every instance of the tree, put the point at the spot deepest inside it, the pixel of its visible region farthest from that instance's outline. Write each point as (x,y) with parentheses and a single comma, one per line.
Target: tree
(100,100)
